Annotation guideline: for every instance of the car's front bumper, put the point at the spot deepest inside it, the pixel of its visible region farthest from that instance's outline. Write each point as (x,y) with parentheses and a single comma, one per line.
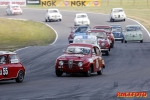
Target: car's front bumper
(119,39)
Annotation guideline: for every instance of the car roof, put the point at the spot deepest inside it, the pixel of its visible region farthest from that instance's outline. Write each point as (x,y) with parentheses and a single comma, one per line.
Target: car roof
(52,9)
(104,26)
(81,44)
(6,52)
(81,14)
(88,36)
(117,8)
(133,26)
(96,30)
(116,25)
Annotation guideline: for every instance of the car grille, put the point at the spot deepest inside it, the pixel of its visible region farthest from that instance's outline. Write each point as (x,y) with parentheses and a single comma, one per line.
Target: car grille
(70,63)
(118,16)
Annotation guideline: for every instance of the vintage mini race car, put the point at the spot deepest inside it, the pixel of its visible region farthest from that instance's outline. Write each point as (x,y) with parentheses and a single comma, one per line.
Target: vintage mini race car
(118,32)
(80,58)
(133,33)
(76,31)
(81,19)
(88,39)
(117,14)
(108,30)
(13,9)
(11,67)
(103,40)
(53,15)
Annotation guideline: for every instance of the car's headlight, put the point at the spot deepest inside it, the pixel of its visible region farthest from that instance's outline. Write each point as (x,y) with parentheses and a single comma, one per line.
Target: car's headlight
(61,63)
(103,44)
(80,64)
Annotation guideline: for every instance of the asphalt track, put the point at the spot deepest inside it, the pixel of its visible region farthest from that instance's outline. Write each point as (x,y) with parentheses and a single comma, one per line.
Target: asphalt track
(127,66)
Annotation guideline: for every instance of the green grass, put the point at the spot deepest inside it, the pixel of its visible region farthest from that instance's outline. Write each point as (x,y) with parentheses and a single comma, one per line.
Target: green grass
(16,34)
(135,9)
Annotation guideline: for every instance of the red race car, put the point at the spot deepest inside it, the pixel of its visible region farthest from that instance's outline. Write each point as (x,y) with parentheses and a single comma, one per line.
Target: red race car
(80,58)
(102,38)
(108,29)
(11,67)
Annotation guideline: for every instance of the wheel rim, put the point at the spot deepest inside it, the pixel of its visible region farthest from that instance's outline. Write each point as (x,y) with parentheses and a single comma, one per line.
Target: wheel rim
(89,71)
(21,76)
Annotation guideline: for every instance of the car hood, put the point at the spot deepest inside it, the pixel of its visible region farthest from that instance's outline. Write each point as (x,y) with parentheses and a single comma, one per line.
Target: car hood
(74,57)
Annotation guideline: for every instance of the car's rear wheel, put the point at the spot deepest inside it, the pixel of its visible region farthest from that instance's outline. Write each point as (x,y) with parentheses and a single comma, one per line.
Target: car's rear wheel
(100,72)
(107,53)
(58,73)
(20,77)
(112,44)
(88,73)
(141,41)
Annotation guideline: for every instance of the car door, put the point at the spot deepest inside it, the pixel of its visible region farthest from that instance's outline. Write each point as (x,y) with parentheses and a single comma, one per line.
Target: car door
(14,65)
(4,68)
(94,57)
(99,59)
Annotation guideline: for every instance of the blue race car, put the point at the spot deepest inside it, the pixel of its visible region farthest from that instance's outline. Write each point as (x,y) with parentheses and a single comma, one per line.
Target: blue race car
(117,32)
(77,31)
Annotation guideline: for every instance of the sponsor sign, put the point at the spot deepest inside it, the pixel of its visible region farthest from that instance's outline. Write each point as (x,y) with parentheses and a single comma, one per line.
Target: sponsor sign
(33,2)
(70,3)
(7,2)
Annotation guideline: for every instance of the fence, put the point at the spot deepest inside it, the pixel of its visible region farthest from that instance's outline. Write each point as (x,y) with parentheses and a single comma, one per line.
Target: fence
(125,2)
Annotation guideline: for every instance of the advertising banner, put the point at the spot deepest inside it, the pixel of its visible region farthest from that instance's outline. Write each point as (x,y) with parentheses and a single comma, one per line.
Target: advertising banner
(70,3)
(33,2)
(6,2)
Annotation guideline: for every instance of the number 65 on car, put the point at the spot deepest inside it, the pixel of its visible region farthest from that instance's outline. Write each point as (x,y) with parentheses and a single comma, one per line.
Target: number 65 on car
(11,67)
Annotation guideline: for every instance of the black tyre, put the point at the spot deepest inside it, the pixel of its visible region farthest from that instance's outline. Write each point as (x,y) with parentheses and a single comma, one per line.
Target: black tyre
(112,45)
(88,73)
(58,73)
(107,53)
(20,77)
(45,20)
(125,41)
(49,19)
(122,41)
(141,41)
(124,20)
(100,72)
(59,19)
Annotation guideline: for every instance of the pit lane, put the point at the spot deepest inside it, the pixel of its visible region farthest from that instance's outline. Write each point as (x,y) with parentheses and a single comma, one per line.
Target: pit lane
(127,66)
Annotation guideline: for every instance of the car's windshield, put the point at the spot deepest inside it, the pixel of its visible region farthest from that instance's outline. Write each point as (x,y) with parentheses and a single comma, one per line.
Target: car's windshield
(106,29)
(116,29)
(117,10)
(81,29)
(15,6)
(53,11)
(88,41)
(81,16)
(78,50)
(133,28)
(98,34)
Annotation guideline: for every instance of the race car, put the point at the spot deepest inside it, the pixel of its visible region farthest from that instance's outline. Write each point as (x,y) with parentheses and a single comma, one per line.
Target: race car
(117,14)
(118,32)
(108,30)
(81,19)
(103,40)
(89,39)
(133,33)
(13,9)
(80,58)
(78,30)
(53,15)
(11,67)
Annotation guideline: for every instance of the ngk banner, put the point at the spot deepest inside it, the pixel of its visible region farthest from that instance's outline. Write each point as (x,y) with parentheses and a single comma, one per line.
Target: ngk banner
(6,2)
(70,3)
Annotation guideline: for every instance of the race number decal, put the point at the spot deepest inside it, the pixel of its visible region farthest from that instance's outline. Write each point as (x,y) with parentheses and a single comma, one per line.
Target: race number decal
(5,71)
(0,72)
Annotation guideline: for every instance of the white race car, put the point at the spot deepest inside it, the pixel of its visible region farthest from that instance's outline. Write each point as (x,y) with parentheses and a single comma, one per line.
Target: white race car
(13,9)
(117,14)
(53,15)
(81,19)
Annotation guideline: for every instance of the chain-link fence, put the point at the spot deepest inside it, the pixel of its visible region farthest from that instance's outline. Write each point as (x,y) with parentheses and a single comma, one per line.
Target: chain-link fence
(126,2)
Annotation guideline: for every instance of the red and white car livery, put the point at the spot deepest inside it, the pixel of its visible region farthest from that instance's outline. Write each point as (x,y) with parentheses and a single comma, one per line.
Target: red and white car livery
(11,67)
(80,58)
(103,40)
(13,9)
(108,30)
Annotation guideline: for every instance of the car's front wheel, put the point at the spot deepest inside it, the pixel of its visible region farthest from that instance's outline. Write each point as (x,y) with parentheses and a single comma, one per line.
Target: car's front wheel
(125,41)
(141,41)
(88,73)
(58,73)
(107,53)
(122,41)
(20,77)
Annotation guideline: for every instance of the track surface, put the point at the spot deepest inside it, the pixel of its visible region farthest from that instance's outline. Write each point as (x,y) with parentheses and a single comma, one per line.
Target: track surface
(127,67)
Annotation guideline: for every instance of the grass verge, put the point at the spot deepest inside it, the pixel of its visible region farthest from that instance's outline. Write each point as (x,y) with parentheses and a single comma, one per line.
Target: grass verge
(15,34)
